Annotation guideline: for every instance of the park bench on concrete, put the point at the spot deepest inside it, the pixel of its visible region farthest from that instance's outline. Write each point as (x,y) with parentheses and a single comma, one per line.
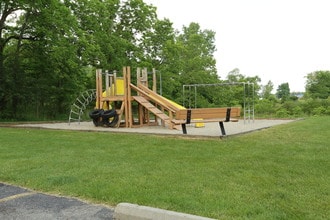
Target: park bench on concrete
(204,115)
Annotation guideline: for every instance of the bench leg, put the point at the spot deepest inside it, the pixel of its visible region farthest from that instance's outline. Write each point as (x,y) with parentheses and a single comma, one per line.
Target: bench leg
(184,129)
(222,128)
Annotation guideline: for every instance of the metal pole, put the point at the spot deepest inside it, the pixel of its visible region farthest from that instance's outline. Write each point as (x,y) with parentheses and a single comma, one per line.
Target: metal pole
(195,96)
(183,96)
(244,105)
(189,97)
(253,102)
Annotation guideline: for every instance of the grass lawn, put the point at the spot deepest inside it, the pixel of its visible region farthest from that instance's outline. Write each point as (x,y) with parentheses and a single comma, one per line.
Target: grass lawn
(278,173)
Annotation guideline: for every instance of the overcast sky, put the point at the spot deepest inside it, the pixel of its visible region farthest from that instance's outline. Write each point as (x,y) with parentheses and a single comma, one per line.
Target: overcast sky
(278,40)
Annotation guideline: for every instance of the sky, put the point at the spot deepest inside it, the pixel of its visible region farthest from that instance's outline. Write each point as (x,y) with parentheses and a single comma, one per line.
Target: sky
(278,40)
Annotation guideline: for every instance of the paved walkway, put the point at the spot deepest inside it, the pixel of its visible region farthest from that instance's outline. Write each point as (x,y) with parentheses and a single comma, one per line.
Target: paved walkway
(23,204)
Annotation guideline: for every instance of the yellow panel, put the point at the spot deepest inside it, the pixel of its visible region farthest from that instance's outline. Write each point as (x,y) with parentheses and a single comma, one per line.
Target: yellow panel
(120,86)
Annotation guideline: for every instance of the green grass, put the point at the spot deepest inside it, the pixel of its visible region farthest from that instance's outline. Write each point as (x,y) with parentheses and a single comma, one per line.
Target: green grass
(277,173)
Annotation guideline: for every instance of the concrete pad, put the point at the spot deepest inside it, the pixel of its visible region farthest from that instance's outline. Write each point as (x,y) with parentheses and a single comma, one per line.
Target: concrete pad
(127,211)
(209,130)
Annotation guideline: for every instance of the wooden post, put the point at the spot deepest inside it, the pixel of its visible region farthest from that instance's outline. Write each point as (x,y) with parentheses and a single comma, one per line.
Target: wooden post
(154,82)
(107,83)
(98,88)
(125,96)
(114,83)
(129,97)
(97,101)
(140,114)
(138,76)
(145,76)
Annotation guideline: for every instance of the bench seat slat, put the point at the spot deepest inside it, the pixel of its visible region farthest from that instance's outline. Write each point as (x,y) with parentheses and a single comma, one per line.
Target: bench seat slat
(178,122)
(207,113)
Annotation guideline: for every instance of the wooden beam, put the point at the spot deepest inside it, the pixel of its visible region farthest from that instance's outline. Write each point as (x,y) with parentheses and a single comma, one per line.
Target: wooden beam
(126,98)
(129,97)
(208,113)
(154,80)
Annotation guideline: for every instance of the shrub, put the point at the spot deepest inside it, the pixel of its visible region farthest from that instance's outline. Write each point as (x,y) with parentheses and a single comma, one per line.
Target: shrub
(282,113)
(297,111)
(321,110)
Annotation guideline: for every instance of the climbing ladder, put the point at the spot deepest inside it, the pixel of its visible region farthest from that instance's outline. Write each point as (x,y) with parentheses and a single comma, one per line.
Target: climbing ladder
(80,105)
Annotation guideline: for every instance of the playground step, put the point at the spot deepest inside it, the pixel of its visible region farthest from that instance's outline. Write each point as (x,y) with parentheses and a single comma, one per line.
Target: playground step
(145,103)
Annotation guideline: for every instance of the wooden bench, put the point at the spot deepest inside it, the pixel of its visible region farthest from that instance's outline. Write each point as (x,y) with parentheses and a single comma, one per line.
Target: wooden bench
(201,115)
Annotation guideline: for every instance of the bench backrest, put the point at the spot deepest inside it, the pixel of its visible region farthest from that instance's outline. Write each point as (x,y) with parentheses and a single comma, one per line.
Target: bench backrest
(208,113)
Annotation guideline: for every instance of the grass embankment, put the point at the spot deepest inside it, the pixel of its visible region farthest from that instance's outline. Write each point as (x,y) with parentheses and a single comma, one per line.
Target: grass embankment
(278,173)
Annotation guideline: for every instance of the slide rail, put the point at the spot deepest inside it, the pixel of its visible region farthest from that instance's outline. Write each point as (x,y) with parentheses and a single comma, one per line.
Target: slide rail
(157,99)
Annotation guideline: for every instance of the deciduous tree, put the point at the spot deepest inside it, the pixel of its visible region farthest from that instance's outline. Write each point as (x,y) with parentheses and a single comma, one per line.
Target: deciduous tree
(318,84)
(283,92)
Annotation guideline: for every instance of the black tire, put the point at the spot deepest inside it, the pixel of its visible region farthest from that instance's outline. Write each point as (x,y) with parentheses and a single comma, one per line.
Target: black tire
(97,122)
(110,118)
(109,114)
(114,121)
(96,113)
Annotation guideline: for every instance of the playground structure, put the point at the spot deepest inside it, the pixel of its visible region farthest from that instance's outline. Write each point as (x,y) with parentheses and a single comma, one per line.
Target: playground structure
(123,104)
(80,105)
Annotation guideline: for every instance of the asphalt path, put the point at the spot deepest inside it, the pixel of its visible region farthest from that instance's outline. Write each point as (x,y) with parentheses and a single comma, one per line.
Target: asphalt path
(23,204)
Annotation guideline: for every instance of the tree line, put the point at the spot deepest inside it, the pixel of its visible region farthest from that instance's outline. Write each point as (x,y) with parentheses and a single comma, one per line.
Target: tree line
(314,101)
(49,50)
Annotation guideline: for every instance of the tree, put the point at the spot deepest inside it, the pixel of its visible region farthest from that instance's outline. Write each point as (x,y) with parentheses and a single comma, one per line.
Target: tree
(283,92)
(198,47)
(266,91)
(235,76)
(9,30)
(318,84)
(97,42)
(40,63)
(240,87)
(162,53)
(48,47)
(57,67)
(135,20)
(196,61)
